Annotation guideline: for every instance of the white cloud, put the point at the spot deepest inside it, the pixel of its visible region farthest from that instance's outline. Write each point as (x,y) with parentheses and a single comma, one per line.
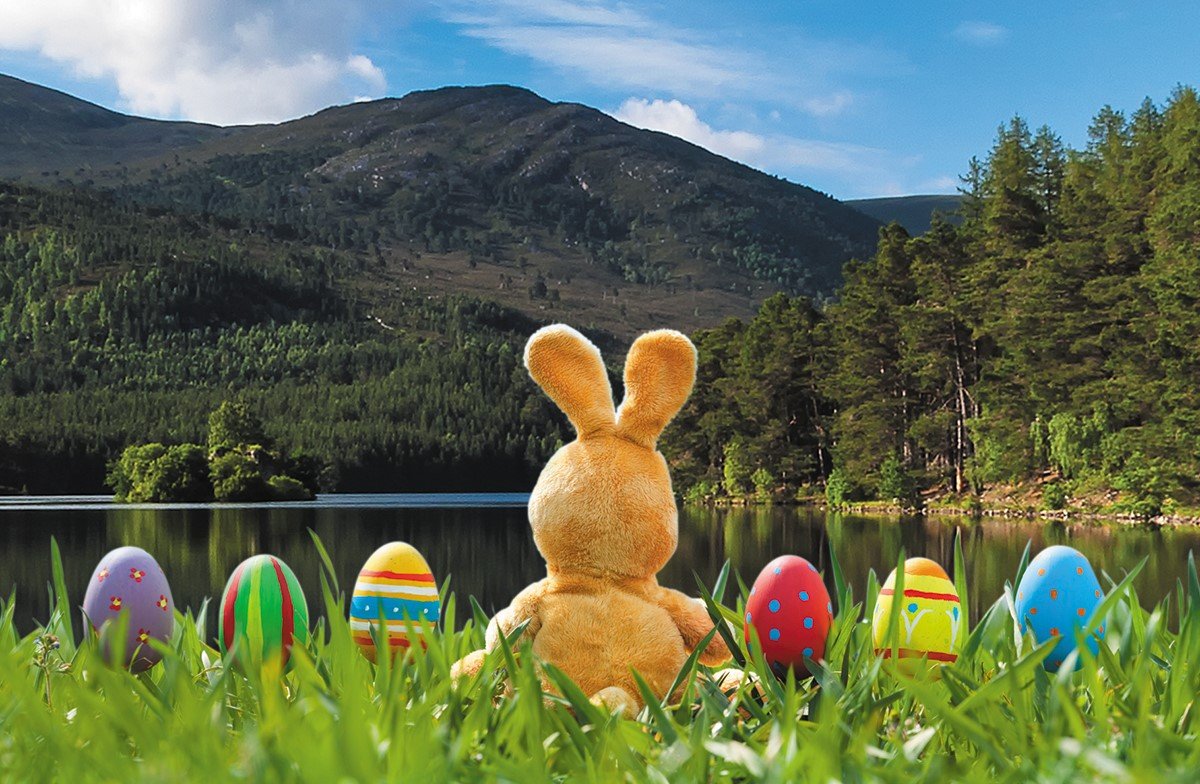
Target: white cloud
(984,33)
(865,170)
(575,12)
(616,46)
(624,60)
(829,105)
(221,61)
(943,184)
(369,72)
(679,119)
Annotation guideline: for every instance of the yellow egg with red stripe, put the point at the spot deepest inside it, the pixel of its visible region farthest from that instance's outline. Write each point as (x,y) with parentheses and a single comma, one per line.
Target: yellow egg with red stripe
(396,598)
(930,626)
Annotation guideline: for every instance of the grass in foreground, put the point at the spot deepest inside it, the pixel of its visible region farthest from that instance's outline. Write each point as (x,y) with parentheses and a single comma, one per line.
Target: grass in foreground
(996,715)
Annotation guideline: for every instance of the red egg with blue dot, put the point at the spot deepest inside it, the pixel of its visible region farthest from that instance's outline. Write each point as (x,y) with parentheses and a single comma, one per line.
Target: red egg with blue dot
(789,614)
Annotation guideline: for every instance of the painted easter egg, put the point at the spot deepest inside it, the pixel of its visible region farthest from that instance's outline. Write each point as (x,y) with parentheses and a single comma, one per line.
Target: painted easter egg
(791,612)
(930,626)
(1056,596)
(263,611)
(396,590)
(128,581)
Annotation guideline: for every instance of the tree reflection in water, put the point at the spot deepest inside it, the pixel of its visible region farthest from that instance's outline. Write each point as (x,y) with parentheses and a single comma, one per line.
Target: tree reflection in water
(488,551)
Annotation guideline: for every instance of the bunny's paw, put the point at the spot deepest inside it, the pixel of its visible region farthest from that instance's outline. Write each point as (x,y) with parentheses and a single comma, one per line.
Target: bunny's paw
(614,699)
(468,666)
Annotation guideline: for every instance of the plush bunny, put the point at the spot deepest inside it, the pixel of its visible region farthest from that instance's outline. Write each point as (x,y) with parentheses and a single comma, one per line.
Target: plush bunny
(604,518)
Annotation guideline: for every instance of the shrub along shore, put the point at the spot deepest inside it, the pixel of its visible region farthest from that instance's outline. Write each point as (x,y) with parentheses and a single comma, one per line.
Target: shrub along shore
(238,465)
(965,507)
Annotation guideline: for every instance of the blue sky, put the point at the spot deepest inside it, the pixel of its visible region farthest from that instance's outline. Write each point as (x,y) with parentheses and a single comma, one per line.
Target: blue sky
(855,99)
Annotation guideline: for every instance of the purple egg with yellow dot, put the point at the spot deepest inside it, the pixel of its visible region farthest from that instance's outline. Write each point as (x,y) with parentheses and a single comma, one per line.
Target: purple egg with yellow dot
(1056,596)
(129,587)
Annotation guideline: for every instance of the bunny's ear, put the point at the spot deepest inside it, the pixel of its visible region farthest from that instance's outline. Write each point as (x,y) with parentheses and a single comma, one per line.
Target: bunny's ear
(568,367)
(659,373)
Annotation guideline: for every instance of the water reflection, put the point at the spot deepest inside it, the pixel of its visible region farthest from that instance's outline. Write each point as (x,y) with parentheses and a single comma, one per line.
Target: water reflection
(488,551)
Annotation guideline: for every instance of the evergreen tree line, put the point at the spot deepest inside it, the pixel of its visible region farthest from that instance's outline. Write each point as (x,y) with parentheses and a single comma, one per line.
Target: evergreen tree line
(1051,338)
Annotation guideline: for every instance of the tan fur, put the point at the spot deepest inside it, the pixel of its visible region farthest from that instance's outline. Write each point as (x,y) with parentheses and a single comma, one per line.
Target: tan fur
(604,518)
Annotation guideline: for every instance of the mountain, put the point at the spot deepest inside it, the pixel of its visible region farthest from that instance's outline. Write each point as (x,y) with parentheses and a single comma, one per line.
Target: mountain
(555,209)
(363,277)
(914,213)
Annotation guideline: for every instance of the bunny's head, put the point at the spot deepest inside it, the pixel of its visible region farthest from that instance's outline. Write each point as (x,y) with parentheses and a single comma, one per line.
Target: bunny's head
(603,505)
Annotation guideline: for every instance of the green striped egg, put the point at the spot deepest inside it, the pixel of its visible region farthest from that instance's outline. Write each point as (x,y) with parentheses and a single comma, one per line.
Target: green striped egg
(263,611)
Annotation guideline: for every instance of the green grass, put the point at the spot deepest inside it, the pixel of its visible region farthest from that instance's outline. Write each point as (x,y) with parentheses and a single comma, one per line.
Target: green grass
(1128,715)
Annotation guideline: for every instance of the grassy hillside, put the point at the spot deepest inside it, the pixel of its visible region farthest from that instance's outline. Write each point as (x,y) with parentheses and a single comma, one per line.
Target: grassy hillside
(549,208)
(48,135)
(557,210)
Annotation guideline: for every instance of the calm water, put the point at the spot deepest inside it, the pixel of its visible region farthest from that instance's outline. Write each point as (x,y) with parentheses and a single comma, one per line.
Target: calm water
(484,544)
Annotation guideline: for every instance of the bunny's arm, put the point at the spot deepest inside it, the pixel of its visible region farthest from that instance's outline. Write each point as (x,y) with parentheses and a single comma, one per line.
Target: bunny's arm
(692,620)
(524,607)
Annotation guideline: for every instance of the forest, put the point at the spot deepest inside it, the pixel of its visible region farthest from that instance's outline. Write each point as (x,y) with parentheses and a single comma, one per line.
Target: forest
(1050,340)
(122,327)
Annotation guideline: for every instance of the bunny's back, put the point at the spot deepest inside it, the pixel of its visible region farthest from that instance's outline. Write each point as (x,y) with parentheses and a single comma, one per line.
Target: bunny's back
(596,630)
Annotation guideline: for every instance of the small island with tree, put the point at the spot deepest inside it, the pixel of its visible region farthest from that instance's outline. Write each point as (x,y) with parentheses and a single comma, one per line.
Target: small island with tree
(238,464)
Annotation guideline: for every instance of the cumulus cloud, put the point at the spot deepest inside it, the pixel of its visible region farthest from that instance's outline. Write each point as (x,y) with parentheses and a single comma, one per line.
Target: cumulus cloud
(220,61)
(865,170)
(370,73)
(679,119)
(984,33)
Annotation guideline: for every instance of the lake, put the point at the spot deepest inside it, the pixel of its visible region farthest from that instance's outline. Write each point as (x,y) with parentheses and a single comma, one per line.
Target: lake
(483,542)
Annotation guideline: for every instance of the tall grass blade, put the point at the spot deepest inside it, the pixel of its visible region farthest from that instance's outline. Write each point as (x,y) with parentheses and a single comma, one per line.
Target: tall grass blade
(960,580)
(62,603)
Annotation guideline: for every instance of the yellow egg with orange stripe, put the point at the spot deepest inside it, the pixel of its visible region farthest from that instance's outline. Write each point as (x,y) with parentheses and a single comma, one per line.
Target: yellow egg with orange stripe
(395,600)
(930,626)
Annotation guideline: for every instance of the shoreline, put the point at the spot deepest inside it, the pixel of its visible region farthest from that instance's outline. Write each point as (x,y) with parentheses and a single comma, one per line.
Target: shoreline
(491,499)
(474,500)
(1125,519)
